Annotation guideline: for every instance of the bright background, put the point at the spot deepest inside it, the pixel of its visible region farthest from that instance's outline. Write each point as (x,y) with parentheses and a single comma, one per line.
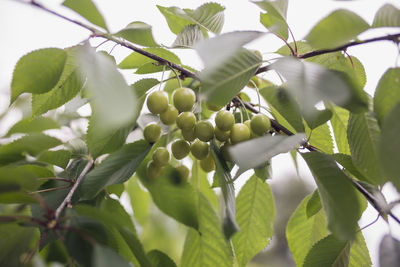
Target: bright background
(24,28)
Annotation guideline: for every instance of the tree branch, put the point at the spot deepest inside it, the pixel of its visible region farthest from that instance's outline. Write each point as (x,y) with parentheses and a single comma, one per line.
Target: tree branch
(68,198)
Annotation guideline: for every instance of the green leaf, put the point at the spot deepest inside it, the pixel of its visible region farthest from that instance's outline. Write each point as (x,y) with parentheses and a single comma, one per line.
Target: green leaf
(364,140)
(188,37)
(359,254)
(207,247)
(209,17)
(321,138)
(140,200)
(347,163)
(31,144)
(336,29)
(139,33)
(37,72)
(338,196)
(160,259)
(33,125)
(317,117)
(112,101)
(311,83)
(115,169)
(275,19)
(68,86)
(201,176)
(59,158)
(224,81)
(255,215)
(254,152)
(389,150)
(88,10)
(339,122)
(387,93)
(104,256)
(302,232)
(329,251)
(279,101)
(136,60)
(136,247)
(228,191)
(279,6)
(350,66)
(389,251)
(387,16)
(313,204)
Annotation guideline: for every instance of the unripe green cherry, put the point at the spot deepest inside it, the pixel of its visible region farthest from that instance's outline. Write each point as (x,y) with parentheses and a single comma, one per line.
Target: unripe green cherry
(184,99)
(153,170)
(200,149)
(152,132)
(184,171)
(157,102)
(224,120)
(188,134)
(180,148)
(260,124)
(186,120)
(169,116)
(207,164)
(221,135)
(204,130)
(252,134)
(239,133)
(161,156)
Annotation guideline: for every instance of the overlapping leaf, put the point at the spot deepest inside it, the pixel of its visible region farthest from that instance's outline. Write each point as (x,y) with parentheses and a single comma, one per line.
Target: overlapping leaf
(389,251)
(275,18)
(387,16)
(188,37)
(31,125)
(88,10)
(321,138)
(139,33)
(339,122)
(59,158)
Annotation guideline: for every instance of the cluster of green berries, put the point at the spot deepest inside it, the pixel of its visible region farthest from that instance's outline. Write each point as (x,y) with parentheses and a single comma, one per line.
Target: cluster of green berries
(195,134)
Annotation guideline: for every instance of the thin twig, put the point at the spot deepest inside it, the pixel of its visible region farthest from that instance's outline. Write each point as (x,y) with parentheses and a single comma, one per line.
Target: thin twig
(67,199)
(50,189)
(56,179)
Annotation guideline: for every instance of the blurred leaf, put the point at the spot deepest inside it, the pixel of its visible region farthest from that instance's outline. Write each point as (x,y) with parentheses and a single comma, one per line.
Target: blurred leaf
(32,125)
(347,163)
(136,60)
(387,93)
(338,196)
(275,18)
(37,72)
(188,37)
(228,191)
(317,117)
(364,139)
(321,138)
(67,87)
(387,16)
(116,189)
(209,17)
(359,254)
(160,259)
(389,150)
(302,232)
(279,101)
(207,247)
(59,158)
(339,122)
(104,256)
(380,201)
(351,67)
(310,83)
(86,9)
(136,247)
(389,251)
(139,33)
(313,204)
(254,152)
(336,29)
(31,144)
(329,251)
(115,169)
(140,200)
(255,217)
(279,6)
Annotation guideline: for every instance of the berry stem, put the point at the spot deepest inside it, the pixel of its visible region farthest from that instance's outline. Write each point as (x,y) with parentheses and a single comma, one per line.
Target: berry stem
(162,78)
(177,76)
(258,95)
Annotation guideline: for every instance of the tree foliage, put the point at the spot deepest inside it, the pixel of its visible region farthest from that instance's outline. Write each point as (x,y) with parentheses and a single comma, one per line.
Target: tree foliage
(58,198)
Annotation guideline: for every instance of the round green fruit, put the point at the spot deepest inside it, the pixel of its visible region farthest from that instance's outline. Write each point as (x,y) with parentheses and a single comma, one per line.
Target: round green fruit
(161,156)
(186,120)
(152,132)
(207,164)
(200,150)
(184,171)
(169,116)
(224,120)
(153,170)
(180,148)
(239,133)
(188,134)
(204,130)
(260,124)
(221,135)
(248,124)
(184,99)
(157,102)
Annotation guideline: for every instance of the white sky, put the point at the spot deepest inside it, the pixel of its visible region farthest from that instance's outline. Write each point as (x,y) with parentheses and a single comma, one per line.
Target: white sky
(24,29)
